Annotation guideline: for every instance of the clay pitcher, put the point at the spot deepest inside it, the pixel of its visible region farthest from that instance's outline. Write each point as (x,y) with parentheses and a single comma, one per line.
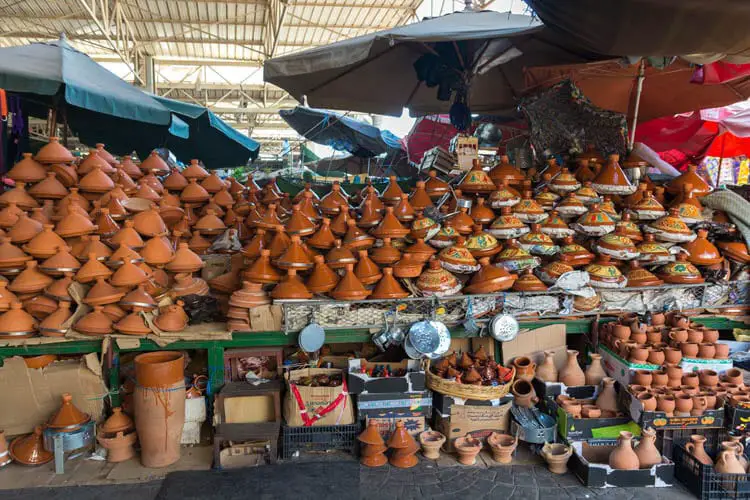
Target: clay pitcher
(525,368)
(572,375)
(595,372)
(524,394)
(607,399)
(623,457)
(159,406)
(727,463)
(646,450)
(696,448)
(547,371)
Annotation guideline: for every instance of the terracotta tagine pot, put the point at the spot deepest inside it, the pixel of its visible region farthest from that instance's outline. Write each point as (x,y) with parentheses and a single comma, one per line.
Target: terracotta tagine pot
(388,287)
(51,326)
(639,277)
(573,254)
(404,446)
(322,279)
(528,210)
(537,243)
(477,180)
(29,449)
(612,179)
(735,250)
(30,280)
(515,258)
(467,448)
(587,195)
(504,196)
(604,274)
(700,186)
(94,323)
(701,251)
(504,171)
(431,442)
(680,272)
(508,225)
(434,186)
(595,222)
(617,246)
(67,416)
(373,447)
(349,287)
(291,287)
(528,282)
(652,252)
(367,272)
(556,455)
(120,447)
(437,281)
(133,324)
(27,170)
(671,228)
(502,446)
(457,258)
(571,206)
(555,226)
(128,275)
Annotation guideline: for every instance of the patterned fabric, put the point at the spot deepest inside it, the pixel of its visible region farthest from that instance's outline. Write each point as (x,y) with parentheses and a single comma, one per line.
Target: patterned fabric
(737,207)
(733,170)
(564,121)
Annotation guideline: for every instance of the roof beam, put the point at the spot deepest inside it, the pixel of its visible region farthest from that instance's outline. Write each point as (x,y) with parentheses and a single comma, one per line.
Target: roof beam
(275,14)
(305,3)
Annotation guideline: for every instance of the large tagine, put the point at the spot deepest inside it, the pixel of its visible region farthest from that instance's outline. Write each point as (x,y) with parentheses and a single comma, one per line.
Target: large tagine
(595,222)
(489,279)
(457,258)
(680,272)
(528,210)
(514,258)
(612,179)
(700,186)
(671,228)
(701,251)
(477,180)
(504,172)
(438,281)
(604,274)
(507,225)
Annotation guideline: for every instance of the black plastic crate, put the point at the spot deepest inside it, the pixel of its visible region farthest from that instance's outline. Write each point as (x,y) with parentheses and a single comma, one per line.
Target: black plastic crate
(704,481)
(667,439)
(320,438)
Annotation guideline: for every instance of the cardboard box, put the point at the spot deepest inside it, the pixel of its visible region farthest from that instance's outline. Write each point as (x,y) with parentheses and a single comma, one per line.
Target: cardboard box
(386,425)
(737,419)
(533,343)
(477,421)
(412,381)
(550,390)
(585,428)
(443,403)
(717,365)
(415,404)
(621,369)
(659,420)
(316,399)
(590,463)
(29,396)
(249,409)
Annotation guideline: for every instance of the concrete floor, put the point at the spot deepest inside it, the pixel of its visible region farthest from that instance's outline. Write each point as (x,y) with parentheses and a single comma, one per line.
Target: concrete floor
(324,476)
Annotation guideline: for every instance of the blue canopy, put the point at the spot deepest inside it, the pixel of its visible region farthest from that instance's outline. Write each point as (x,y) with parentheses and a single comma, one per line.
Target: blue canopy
(55,73)
(340,132)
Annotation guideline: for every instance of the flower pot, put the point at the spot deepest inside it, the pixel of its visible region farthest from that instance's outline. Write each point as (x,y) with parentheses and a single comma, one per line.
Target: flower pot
(431,442)
(502,446)
(467,448)
(556,455)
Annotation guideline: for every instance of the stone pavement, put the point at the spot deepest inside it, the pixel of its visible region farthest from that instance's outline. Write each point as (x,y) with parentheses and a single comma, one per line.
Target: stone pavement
(346,479)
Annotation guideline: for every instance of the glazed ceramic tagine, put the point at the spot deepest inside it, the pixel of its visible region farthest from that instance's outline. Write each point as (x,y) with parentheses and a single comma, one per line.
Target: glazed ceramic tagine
(384,255)
(461,221)
(322,279)
(408,267)
(355,238)
(607,206)
(594,223)
(653,253)
(612,179)
(419,199)
(735,250)
(527,282)
(514,258)
(639,277)
(67,417)
(700,186)
(392,193)
(339,257)
(574,254)
(291,288)
(556,227)
(504,172)
(436,281)
(546,198)
(349,288)
(551,272)
(482,244)
(476,180)
(680,272)
(434,186)
(587,195)
(617,246)
(564,182)
(403,211)
(671,228)
(648,208)
(29,449)
(389,227)
(388,287)
(458,258)
(481,213)
(489,279)
(445,237)
(424,227)
(604,274)
(537,243)
(507,225)
(421,250)
(528,210)
(701,251)
(628,228)
(504,196)
(369,216)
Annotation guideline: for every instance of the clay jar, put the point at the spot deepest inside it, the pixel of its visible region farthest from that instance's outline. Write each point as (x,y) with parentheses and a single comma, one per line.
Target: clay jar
(656,356)
(621,332)
(524,394)
(623,457)
(696,447)
(706,351)
(572,375)
(648,401)
(691,379)
(607,399)
(525,368)
(595,372)
(708,378)
(648,454)
(431,442)
(467,448)
(665,403)
(721,351)
(672,355)
(547,371)
(689,349)
(733,376)
(556,455)
(659,378)
(642,377)
(683,405)
(678,335)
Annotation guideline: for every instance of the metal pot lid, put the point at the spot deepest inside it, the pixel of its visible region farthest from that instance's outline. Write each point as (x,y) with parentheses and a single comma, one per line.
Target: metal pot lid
(504,328)
(311,338)
(424,337)
(410,351)
(445,338)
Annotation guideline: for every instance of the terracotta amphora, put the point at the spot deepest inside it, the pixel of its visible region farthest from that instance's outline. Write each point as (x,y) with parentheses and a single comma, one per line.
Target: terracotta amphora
(525,368)
(728,463)
(623,457)
(646,450)
(607,399)
(524,394)
(572,374)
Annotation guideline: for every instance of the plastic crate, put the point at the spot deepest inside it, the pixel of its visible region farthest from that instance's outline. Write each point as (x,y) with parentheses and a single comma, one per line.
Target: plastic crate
(320,438)
(704,481)
(667,439)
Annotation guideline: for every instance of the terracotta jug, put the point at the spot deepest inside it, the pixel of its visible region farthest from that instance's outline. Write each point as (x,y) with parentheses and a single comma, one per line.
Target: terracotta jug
(646,450)
(607,399)
(572,374)
(524,394)
(623,457)
(727,462)
(525,368)
(595,372)
(547,371)
(159,406)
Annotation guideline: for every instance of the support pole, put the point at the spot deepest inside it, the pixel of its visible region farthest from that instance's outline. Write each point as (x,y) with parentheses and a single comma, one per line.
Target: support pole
(638,91)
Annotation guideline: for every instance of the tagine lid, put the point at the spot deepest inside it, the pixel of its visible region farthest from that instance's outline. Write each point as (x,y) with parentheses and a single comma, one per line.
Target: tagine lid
(435,186)
(612,179)
(420,247)
(572,201)
(489,278)
(291,287)
(477,180)
(565,181)
(422,222)
(435,279)
(586,191)
(596,217)
(652,247)
(640,277)
(481,242)
(671,223)
(629,228)
(154,162)
(504,170)
(54,152)
(555,221)
(702,251)
(735,250)
(700,186)
(16,320)
(527,205)
(323,278)
(393,191)
(528,282)
(617,241)
(350,287)
(512,251)
(388,287)
(507,220)
(458,254)
(67,416)
(29,449)
(504,194)
(680,271)
(604,270)
(556,268)
(390,226)
(27,170)
(117,422)
(572,250)
(536,237)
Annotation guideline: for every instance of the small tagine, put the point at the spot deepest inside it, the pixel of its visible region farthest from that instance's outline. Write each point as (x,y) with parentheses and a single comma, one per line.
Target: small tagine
(604,274)
(595,222)
(438,281)
(671,228)
(507,225)
(514,258)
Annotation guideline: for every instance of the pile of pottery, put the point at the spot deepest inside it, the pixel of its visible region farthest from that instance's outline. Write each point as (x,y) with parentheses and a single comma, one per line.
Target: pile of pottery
(625,456)
(730,458)
(128,234)
(604,406)
(401,442)
(666,340)
(472,369)
(571,374)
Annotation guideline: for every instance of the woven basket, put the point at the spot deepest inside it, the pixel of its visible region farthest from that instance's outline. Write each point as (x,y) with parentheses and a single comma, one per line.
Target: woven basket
(467,391)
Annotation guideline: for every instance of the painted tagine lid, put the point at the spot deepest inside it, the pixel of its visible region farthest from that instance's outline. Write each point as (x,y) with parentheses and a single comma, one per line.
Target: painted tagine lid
(477,180)
(629,228)
(490,279)
(564,182)
(515,258)
(700,186)
(649,208)
(653,252)
(671,228)
(555,226)
(608,206)
(434,186)
(537,243)
(482,244)
(587,195)
(504,196)
(735,250)
(617,246)
(424,227)
(528,282)
(29,449)
(680,272)
(67,417)
(350,287)
(546,198)
(612,179)
(574,254)
(604,274)
(571,206)
(551,271)
(639,277)
(507,225)
(595,222)
(388,287)
(458,258)
(504,171)
(701,251)
(444,237)
(438,281)
(291,288)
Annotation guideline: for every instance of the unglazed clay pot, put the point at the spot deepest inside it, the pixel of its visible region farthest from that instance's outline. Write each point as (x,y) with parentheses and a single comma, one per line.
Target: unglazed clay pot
(524,394)
(159,406)
(467,448)
(623,457)
(556,455)
(665,403)
(696,448)
(546,371)
(646,450)
(431,442)
(595,372)
(525,368)
(607,399)
(572,374)
(502,446)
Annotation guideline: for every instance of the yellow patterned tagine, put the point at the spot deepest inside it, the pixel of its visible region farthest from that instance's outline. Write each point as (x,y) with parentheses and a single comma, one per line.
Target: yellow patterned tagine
(477,180)
(556,227)
(604,274)
(482,244)
(564,182)
(653,252)
(424,227)
(438,281)
(680,272)
(649,208)
(595,222)
(671,228)
(528,210)
(515,258)
(445,237)
(504,196)
(546,198)
(507,225)
(537,243)
(457,258)
(587,195)
(571,206)
(617,246)
(574,254)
